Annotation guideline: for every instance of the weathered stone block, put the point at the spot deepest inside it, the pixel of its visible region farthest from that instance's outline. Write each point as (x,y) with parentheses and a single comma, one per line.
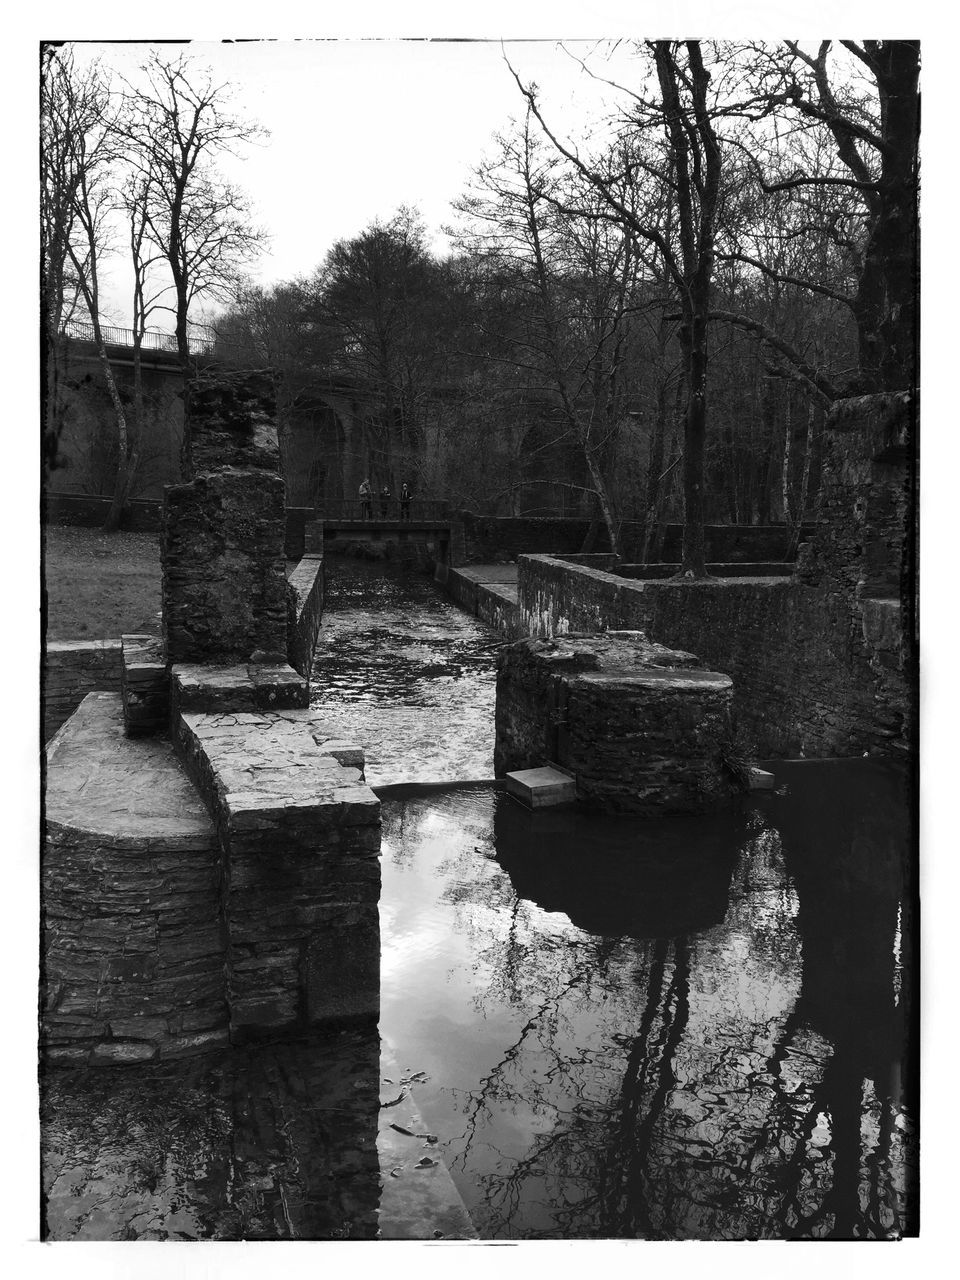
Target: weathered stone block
(541,788)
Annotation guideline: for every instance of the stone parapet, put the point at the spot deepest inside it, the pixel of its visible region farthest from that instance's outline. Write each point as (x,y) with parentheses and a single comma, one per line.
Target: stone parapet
(306,583)
(808,677)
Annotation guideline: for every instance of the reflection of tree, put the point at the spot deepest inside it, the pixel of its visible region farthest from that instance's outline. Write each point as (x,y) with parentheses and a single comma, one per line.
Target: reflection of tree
(758,1095)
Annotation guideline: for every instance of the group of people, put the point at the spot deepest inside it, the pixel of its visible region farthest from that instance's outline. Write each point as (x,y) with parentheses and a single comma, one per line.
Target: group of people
(366,501)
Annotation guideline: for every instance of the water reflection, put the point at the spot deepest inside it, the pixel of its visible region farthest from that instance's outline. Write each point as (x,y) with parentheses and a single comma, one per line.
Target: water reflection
(269,1142)
(682,1030)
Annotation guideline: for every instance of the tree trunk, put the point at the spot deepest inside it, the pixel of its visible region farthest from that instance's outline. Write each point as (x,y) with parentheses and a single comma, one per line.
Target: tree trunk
(785,475)
(124,478)
(886,303)
(651,515)
(693,340)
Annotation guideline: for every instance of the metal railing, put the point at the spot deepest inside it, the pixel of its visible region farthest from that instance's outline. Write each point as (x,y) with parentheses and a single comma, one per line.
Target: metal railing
(201,339)
(346,511)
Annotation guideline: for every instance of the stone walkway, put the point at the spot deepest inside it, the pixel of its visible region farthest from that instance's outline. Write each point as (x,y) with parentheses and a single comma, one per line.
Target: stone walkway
(100,780)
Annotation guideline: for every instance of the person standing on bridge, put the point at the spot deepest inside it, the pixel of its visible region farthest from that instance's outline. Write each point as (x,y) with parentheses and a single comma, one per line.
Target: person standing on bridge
(384,501)
(404,501)
(366,500)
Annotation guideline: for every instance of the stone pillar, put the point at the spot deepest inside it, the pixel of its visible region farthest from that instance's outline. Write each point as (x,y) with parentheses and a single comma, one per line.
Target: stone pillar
(860,547)
(642,729)
(222,546)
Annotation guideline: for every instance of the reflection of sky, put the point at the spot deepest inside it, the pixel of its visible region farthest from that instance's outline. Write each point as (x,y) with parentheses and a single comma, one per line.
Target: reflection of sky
(525,1025)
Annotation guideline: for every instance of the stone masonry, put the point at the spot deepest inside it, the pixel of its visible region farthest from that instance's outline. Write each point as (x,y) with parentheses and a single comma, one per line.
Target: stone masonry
(225,596)
(821,661)
(640,727)
(266,918)
(301,873)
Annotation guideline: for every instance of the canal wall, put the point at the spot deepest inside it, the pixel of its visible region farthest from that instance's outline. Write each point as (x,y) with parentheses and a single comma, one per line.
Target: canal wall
(306,603)
(488,592)
(501,539)
(821,660)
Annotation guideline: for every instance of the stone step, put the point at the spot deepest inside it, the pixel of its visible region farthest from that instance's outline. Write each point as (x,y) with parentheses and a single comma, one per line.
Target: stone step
(247,687)
(538,788)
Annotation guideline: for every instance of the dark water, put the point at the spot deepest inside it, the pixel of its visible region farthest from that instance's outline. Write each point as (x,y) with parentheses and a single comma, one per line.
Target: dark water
(694,1028)
(686,1029)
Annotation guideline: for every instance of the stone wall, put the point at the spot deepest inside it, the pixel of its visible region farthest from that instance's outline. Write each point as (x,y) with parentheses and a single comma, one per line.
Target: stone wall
(72,669)
(306,582)
(499,539)
(733,543)
(133,951)
(810,676)
(141,515)
(818,660)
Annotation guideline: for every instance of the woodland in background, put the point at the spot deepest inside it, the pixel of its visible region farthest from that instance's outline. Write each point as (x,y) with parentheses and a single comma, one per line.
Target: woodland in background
(646,329)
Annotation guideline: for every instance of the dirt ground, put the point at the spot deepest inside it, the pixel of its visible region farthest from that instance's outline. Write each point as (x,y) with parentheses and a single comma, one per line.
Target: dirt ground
(100,585)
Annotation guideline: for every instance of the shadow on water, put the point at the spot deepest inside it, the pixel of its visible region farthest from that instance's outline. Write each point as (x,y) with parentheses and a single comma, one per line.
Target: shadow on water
(690,1029)
(274,1141)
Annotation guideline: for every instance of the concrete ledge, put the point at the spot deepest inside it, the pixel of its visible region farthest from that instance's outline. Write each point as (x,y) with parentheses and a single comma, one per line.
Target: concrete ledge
(540,788)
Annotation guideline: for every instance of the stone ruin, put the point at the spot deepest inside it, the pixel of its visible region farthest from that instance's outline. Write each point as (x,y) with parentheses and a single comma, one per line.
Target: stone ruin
(641,728)
(225,882)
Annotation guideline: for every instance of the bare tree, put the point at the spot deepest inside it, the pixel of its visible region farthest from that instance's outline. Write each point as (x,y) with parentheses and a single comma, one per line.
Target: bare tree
(872,125)
(176,126)
(80,147)
(72,113)
(574,275)
(692,164)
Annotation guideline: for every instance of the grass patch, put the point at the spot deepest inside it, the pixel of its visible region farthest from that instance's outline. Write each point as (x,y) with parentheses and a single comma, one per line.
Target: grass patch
(100,585)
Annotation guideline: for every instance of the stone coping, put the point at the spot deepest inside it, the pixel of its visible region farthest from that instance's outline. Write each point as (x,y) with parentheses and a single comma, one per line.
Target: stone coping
(267,766)
(79,646)
(661,584)
(487,573)
(101,781)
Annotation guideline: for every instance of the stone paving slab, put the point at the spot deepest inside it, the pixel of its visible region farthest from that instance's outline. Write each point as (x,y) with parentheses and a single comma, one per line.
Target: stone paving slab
(275,762)
(238,688)
(100,780)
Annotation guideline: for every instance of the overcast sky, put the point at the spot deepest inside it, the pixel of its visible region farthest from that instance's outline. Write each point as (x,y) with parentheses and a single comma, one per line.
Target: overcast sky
(360,127)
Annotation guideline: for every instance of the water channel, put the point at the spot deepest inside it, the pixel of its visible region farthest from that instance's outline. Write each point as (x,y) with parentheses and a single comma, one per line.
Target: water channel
(694,1028)
(686,1029)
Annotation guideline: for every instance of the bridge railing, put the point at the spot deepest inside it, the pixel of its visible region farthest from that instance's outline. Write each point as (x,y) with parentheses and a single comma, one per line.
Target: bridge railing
(353,509)
(201,340)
